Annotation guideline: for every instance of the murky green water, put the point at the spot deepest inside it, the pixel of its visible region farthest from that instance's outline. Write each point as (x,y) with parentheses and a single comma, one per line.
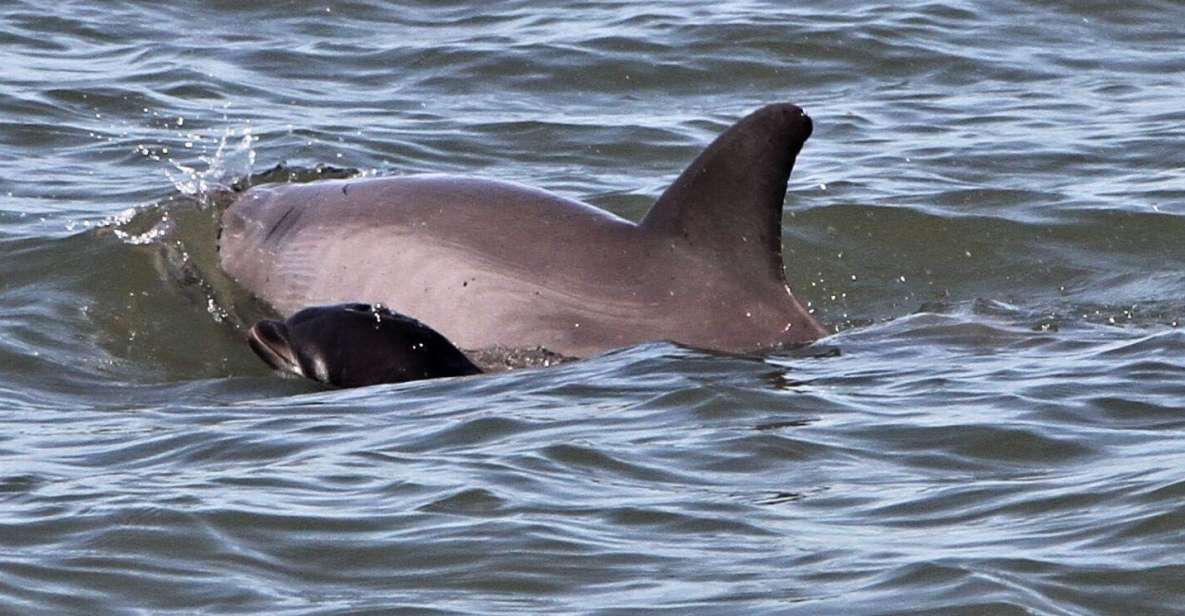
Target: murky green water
(991,211)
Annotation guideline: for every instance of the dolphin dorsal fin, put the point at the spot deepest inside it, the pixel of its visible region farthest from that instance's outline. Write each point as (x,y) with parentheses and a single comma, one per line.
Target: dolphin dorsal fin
(729,200)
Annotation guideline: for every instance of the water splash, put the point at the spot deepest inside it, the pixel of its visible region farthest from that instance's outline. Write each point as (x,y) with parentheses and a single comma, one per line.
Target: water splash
(154,234)
(236,160)
(121,225)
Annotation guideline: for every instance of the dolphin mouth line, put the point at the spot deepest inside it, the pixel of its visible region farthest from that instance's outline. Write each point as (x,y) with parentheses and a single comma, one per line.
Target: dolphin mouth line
(269,340)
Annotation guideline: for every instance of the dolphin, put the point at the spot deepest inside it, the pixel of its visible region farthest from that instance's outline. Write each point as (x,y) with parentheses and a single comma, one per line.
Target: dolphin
(353,345)
(497,264)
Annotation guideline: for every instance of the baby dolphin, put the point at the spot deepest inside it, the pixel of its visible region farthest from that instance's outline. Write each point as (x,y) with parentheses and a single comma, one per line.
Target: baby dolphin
(498,264)
(353,345)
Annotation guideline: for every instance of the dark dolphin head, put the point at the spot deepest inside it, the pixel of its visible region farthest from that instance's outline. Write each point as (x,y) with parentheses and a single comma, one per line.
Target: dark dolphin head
(351,345)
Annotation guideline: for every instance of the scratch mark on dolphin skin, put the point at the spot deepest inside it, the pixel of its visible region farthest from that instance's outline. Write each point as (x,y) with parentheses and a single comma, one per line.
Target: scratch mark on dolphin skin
(280,223)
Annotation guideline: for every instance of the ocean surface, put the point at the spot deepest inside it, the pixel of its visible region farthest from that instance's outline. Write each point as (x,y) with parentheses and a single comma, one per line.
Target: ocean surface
(990,215)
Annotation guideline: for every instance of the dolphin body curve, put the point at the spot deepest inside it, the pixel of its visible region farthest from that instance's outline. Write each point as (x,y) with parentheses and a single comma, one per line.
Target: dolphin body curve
(497,264)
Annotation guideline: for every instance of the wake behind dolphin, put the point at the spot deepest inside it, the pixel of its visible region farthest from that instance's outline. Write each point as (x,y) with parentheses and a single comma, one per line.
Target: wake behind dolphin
(497,264)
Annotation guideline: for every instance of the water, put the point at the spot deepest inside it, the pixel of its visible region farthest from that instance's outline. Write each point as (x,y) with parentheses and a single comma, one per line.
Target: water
(990,213)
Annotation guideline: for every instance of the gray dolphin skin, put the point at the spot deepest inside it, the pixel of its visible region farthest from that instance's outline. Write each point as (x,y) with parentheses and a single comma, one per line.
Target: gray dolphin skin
(497,264)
